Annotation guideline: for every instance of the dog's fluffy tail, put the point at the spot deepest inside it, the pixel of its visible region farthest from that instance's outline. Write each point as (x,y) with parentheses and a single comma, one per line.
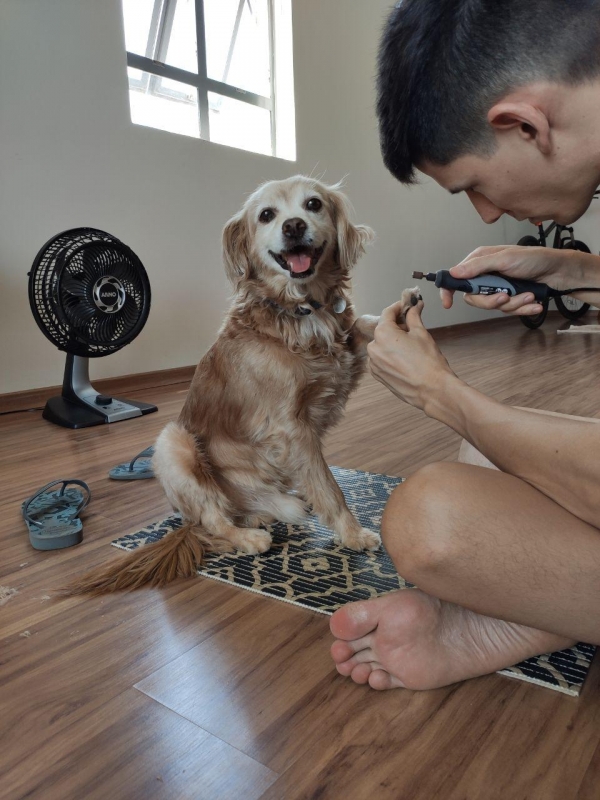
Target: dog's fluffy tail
(185,475)
(177,555)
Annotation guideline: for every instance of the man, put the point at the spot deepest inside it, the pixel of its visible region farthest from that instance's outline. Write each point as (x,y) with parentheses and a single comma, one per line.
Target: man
(501,101)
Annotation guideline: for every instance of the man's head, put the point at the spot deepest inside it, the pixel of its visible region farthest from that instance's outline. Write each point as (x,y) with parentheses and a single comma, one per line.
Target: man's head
(499,99)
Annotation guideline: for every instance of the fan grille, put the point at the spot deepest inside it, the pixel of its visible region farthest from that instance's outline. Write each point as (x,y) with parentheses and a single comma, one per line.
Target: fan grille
(61,292)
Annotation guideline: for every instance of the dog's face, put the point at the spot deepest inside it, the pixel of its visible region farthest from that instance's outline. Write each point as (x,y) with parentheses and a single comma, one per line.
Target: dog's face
(292,231)
(293,228)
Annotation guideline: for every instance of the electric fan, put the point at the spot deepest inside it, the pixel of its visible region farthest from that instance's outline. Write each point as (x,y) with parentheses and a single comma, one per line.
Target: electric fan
(90,296)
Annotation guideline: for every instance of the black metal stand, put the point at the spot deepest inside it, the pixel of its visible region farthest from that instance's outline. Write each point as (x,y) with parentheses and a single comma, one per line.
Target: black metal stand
(81,406)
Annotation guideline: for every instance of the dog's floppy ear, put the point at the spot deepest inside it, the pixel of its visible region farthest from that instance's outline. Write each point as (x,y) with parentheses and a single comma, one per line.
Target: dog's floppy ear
(236,248)
(351,239)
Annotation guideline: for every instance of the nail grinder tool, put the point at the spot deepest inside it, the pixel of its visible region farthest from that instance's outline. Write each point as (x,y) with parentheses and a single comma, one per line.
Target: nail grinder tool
(493,284)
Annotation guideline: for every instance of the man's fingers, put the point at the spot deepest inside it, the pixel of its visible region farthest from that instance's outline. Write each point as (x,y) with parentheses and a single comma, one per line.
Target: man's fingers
(502,301)
(529,310)
(479,265)
(485,251)
(413,316)
(489,259)
(447,296)
(390,314)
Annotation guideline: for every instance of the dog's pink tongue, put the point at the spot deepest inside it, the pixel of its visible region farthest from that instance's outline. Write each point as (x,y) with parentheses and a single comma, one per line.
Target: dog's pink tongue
(299,262)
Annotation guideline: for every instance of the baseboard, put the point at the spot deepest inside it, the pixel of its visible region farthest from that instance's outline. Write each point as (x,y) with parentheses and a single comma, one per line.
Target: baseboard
(35,398)
(123,385)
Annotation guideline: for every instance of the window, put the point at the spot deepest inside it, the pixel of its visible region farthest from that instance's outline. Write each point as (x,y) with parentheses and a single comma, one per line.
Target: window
(214,69)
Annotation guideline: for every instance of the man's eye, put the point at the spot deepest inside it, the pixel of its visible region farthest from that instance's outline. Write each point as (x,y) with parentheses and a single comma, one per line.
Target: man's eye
(314,204)
(266,215)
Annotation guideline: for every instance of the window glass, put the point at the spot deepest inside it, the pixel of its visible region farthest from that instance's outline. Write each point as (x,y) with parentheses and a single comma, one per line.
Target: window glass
(164,104)
(237,44)
(239,124)
(181,51)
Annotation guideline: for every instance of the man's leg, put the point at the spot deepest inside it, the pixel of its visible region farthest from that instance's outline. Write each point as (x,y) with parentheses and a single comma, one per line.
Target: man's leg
(504,574)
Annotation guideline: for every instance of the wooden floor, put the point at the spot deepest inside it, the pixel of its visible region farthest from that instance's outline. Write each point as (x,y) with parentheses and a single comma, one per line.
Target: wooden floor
(208,692)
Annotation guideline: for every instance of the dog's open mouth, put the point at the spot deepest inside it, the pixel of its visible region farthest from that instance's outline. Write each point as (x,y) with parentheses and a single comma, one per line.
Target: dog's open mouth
(299,261)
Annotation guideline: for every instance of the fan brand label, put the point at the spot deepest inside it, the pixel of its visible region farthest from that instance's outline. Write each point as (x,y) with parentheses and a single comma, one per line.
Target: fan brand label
(109,294)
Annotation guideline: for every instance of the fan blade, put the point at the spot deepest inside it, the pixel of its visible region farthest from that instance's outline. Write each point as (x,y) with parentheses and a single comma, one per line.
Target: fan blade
(124,269)
(130,313)
(79,313)
(74,285)
(107,328)
(92,260)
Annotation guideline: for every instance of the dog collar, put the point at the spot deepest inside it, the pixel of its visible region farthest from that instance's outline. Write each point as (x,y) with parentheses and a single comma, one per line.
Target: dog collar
(339,305)
(299,311)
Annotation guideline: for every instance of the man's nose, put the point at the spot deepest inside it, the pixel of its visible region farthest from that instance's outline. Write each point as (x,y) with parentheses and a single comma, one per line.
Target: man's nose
(485,208)
(294,228)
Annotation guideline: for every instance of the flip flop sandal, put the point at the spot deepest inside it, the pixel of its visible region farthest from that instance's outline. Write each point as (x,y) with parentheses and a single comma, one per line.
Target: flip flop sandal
(136,470)
(53,517)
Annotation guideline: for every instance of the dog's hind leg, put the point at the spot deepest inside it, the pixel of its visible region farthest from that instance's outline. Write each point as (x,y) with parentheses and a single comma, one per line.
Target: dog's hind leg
(186,477)
(280,507)
(247,540)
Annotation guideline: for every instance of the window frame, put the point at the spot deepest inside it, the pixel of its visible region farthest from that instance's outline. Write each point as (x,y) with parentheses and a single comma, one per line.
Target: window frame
(154,66)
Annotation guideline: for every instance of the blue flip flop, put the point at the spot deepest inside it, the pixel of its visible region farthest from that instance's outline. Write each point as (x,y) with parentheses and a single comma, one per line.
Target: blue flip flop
(137,469)
(52,517)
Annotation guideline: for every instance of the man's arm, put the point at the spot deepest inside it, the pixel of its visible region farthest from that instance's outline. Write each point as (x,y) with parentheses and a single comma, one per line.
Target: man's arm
(559,456)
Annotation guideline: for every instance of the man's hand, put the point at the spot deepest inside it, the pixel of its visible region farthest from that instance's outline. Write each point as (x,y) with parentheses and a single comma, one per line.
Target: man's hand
(560,269)
(405,358)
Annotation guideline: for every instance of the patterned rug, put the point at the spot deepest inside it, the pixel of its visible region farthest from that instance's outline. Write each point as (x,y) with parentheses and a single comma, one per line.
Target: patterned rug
(306,568)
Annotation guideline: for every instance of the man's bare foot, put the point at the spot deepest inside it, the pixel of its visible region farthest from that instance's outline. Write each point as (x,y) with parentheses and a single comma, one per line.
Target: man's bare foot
(409,639)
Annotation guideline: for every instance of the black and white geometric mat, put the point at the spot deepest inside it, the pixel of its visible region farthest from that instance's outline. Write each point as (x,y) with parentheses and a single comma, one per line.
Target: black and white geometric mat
(306,568)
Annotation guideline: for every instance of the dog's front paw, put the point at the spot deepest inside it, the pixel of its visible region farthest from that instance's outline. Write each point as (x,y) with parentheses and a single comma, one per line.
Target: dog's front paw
(408,298)
(361,539)
(252,541)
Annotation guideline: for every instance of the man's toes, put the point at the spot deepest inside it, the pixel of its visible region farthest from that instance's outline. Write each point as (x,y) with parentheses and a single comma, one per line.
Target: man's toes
(362,657)
(355,620)
(360,673)
(380,679)
(341,651)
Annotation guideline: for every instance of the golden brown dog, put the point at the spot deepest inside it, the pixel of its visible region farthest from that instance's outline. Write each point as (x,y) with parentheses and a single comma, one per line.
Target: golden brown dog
(246,449)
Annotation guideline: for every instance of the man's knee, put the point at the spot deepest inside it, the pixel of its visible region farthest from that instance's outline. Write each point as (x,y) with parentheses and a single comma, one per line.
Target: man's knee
(419,527)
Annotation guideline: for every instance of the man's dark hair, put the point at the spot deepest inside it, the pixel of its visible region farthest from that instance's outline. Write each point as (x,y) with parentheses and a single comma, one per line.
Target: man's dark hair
(444,63)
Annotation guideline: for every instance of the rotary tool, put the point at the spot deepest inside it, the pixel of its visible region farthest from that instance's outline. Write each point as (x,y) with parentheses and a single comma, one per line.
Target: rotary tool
(493,283)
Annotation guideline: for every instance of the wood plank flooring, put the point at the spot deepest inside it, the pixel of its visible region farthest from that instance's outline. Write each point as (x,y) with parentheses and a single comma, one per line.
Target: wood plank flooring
(208,692)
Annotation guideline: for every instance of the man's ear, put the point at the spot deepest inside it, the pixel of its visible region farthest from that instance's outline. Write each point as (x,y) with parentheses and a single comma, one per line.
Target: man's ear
(236,248)
(531,122)
(351,239)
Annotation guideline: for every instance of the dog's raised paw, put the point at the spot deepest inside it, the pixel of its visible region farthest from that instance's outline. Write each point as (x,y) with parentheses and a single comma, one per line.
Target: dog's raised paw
(362,539)
(253,541)
(409,297)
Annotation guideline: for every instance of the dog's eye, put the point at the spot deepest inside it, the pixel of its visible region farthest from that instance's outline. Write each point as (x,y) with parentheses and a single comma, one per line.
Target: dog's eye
(266,215)
(314,204)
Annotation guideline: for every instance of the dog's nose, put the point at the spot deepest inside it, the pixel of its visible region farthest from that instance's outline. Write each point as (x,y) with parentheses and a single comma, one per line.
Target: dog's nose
(294,228)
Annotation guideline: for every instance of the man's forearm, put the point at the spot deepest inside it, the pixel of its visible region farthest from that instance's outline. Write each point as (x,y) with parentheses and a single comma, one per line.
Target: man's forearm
(586,275)
(559,457)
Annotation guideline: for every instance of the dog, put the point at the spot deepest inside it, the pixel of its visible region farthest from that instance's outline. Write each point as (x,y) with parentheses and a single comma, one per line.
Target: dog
(246,449)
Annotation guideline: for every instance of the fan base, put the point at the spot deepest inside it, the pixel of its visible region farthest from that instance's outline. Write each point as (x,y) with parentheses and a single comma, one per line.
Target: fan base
(69,414)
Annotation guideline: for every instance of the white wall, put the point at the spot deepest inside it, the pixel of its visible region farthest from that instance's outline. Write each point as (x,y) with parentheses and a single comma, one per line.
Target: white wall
(69,156)
(587,229)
